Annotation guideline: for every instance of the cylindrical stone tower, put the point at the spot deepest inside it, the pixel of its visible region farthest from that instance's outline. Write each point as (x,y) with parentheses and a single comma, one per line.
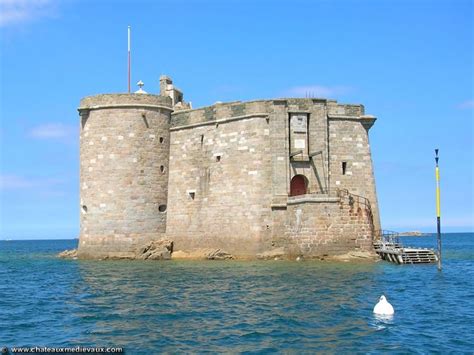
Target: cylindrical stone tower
(124,159)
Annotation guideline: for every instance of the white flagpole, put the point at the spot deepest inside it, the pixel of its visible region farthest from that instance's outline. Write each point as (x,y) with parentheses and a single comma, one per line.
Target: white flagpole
(129,58)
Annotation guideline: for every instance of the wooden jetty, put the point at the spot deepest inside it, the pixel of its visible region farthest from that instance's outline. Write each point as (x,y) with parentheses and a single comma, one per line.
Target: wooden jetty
(387,245)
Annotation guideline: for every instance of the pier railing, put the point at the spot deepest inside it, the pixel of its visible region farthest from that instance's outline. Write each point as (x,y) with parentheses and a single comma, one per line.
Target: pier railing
(387,244)
(386,236)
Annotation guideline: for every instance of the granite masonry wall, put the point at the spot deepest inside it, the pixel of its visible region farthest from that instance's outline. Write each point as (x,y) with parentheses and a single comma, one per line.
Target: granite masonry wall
(124,145)
(321,225)
(350,164)
(220,179)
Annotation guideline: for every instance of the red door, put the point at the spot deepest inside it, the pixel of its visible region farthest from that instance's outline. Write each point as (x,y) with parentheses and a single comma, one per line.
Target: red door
(298,185)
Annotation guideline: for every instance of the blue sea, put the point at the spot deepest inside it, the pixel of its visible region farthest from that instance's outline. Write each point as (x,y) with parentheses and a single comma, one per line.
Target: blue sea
(236,306)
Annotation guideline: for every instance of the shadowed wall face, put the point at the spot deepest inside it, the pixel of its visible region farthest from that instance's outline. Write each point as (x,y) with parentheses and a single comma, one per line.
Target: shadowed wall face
(124,173)
(220,186)
(351,162)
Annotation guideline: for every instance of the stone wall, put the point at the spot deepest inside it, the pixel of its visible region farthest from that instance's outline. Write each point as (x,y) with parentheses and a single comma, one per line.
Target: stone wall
(123,100)
(319,226)
(220,185)
(349,145)
(124,146)
(220,111)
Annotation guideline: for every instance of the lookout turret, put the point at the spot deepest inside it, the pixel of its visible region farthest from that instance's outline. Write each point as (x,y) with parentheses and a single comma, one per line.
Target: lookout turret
(168,89)
(124,155)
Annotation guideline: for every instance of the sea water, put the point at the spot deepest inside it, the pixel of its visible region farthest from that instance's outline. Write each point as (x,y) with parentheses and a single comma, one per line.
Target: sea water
(236,306)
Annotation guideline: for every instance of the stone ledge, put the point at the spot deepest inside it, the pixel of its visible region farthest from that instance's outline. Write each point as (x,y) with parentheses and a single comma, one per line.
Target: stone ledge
(223,120)
(366,120)
(353,118)
(294,200)
(131,105)
(124,100)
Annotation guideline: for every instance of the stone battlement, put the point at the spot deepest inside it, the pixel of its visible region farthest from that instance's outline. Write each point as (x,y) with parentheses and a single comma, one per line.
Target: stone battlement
(235,110)
(124,100)
(345,109)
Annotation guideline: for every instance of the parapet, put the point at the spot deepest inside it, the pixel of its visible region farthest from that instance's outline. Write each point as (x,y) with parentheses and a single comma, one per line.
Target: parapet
(238,110)
(219,111)
(335,109)
(124,101)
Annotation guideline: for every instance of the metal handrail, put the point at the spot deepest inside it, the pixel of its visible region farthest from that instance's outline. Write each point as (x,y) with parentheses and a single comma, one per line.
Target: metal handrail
(387,237)
(364,200)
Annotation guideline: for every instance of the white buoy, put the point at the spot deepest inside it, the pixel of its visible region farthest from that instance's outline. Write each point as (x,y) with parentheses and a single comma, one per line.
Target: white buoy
(383,307)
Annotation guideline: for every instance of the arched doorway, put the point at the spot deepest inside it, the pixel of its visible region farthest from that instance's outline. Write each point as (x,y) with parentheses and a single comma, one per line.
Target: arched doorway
(298,185)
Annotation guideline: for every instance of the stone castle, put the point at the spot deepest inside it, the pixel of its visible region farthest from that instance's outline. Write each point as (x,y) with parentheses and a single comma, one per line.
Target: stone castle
(246,177)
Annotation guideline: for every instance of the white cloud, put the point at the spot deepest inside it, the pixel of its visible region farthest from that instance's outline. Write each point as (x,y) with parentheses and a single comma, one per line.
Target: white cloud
(468,104)
(13,12)
(16,182)
(13,182)
(53,131)
(316,91)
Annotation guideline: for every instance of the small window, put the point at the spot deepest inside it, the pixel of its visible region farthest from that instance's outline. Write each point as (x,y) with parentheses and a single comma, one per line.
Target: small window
(162,208)
(162,169)
(344,166)
(192,195)
(202,139)
(162,139)
(145,120)
(218,158)
(84,208)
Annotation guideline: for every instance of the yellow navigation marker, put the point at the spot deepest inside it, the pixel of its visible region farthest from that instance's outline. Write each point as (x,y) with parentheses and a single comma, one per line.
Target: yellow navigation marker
(438,209)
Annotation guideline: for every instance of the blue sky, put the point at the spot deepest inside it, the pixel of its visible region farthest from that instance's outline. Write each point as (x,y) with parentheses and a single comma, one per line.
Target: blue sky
(409,62)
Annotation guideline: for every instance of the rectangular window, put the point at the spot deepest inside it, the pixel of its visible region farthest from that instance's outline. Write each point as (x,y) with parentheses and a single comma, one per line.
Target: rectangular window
(344,166)
(191,194)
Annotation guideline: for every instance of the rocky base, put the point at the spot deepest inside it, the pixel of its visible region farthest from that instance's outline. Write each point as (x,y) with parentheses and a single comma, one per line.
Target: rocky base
(155,250)
(163,250)
(68,254)
(356,256)
(203,254)
(160,250)
(274,254)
